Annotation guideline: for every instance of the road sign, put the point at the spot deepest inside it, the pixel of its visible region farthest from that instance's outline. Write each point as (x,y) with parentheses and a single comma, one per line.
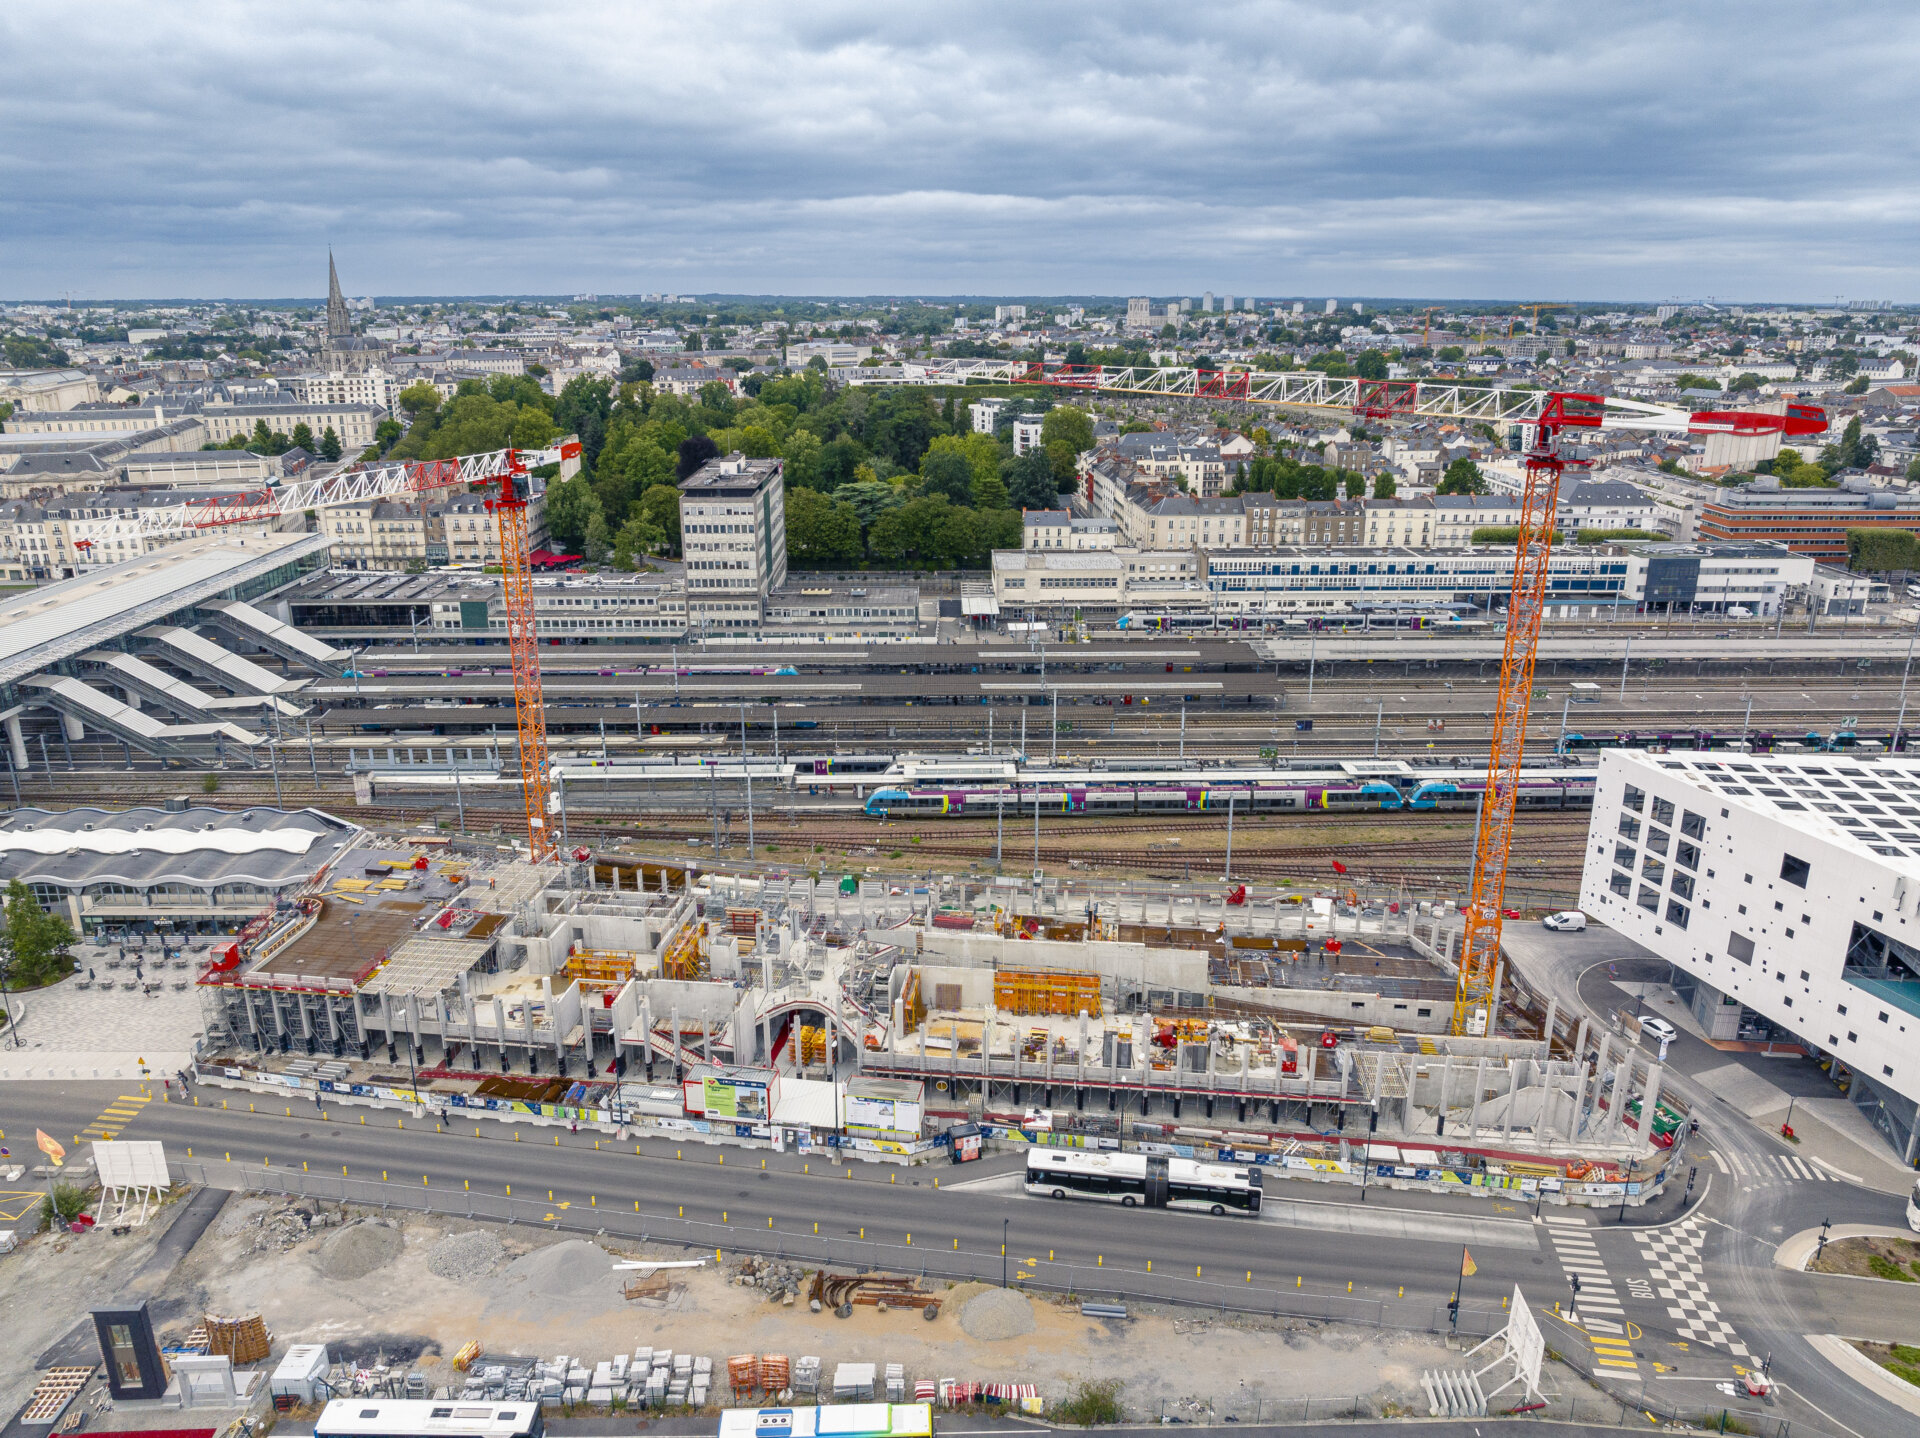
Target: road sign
(50,1146)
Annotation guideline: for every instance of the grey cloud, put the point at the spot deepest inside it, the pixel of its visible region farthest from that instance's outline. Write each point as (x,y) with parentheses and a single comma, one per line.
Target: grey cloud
(1634,150)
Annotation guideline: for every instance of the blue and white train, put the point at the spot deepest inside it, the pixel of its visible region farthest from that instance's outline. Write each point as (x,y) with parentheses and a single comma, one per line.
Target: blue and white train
(1098,791)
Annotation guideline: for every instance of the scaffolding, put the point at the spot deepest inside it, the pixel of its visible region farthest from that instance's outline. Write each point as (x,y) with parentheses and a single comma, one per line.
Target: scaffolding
(602,966)
(684,958)
(1041,991)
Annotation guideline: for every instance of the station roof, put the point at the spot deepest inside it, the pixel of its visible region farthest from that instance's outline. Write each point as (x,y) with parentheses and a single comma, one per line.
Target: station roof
(40,627)
(272,848)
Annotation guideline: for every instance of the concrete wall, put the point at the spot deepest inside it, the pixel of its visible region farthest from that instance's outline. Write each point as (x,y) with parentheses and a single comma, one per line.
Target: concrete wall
(1134,963)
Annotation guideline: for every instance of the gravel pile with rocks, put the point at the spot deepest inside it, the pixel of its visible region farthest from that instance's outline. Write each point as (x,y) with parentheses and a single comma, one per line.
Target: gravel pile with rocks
(781,1282)
(464,1257)
(356,1251)
(558,1283)
(241,1214)
(998,1313)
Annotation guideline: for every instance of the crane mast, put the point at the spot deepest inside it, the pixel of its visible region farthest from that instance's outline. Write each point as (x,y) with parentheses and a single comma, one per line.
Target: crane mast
(1480,949)
(509,512)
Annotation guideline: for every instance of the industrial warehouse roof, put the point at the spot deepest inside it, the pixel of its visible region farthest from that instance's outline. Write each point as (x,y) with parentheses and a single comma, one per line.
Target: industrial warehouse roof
(40,627)
(142,847)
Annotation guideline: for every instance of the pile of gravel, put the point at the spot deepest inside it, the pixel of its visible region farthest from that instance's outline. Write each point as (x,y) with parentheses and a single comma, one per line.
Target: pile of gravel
(563,1269)
(998,1313)
(356,1251)
(241,1214)
(464,1257)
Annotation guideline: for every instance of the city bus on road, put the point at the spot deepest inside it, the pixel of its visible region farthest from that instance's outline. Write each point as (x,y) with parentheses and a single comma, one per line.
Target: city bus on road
(1142,1180)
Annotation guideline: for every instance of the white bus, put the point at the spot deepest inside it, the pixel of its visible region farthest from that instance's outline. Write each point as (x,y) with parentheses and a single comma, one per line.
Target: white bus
(1143,1180)
(427,1418)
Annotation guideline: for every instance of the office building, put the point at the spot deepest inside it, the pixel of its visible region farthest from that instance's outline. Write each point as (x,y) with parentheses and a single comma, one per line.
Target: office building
(1785,892)
(733,528)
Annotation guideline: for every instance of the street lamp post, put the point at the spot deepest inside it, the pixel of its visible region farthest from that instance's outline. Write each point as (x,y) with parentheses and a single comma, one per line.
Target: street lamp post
(1826,1226)
(1003,1251)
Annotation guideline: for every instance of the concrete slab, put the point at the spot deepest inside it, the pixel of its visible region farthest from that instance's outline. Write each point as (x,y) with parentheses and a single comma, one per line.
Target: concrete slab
(1744,1090)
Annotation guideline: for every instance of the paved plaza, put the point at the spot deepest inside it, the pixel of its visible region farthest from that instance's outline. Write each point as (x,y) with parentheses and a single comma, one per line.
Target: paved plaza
(99,1027)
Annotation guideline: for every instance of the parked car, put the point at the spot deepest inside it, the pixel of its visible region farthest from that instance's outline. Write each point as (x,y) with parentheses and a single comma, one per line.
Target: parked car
(1659,1030)
(1568,921)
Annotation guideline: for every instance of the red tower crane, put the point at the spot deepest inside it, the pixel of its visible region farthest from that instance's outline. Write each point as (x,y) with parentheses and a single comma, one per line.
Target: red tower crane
(509,510)
(1480,950)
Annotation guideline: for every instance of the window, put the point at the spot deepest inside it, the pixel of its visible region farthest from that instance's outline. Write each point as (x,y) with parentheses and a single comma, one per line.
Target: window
(1623,856)
(1663,812)
(1676,913)
(1682,886)
(1621,883)
(1741,947)
(1652,870)
(1794,871)
(1693,825)
(1629,827)
(1648,899)
(1657,840)
(1634,799)
(1686,855)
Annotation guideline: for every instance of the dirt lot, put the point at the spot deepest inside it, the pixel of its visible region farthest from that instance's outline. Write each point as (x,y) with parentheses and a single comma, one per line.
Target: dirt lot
(412,1289)
(1897,1259)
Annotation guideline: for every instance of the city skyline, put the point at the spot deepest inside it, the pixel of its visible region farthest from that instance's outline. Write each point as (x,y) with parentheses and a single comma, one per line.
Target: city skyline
(1271,150)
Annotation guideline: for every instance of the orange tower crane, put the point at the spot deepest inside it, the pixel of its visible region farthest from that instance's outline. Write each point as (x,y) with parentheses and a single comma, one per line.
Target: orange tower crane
(1480,949)
(1535,311)
(509,510)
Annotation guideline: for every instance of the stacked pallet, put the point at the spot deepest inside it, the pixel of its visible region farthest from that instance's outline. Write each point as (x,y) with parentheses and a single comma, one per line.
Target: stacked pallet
(244,1340)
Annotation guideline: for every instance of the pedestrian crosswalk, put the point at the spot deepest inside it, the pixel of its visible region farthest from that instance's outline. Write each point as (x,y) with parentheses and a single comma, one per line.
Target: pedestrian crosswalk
(1596,1304)
(1674,1257)
(1761,1170)
(115,1117)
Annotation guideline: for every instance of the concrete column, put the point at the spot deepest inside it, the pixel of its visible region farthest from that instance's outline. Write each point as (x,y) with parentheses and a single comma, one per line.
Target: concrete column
(72,728)
(1513,1092)
(1649,1103)
(386,1016)
(1479,1092)
(1493,999)
(1580,1043)
(500,1027)
(1553,1012)
(1590,1108)
(1446,1089)
(673,1018)
(16,743)
(1617,1104)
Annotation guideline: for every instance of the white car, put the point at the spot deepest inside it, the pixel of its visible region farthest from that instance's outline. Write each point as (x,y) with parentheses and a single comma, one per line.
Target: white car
(1569,921)
(1659,1030)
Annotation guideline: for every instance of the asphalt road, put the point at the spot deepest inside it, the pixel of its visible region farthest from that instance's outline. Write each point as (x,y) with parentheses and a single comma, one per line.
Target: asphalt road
(1394,1257)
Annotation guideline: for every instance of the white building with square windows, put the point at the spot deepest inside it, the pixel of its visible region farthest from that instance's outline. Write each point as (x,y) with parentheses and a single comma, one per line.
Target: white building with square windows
(1784,890)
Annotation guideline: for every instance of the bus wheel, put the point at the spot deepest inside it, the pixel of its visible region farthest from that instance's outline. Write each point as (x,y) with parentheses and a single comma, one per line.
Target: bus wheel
(1218,1211)
(1128,1200)
(1059,1193)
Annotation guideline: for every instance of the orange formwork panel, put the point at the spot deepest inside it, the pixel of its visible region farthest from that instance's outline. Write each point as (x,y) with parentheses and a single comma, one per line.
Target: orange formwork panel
(1041,991)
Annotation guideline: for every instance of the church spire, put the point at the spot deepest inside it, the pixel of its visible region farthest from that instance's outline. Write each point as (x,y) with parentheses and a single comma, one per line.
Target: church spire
(339,326)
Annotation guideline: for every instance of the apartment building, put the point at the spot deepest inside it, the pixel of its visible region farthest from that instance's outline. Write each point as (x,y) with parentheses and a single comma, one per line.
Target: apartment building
(353,423)
(1456,516)
(1397,522)
(1059,529)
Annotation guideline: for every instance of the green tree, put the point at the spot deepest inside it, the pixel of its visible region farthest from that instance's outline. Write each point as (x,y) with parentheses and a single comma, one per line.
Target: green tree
(419,398)
(1060,458)
(598,543)
(1694,381)
(583,408)
(1029,480)
(1745,383)
(1067,424)
(800,453)
(1462,477)
(870,499)
(636,539)
(1882,551)
(660,506)
(1451,354)
(1370,364)
(33,943)
(330,441)
(302,437)
(900,424)
(1356,486)
(1385,486)
(572,506)
(946,472)
(821,530)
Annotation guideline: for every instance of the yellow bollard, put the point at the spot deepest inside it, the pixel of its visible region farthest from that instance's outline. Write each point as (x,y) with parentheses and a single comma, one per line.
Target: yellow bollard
(863,1233)
(556,1140)
(189,1150)
(383,1175)
(763,1163)
(1249,1275)
(1349,1285)
(909,1240)
(1149,1265)
(249,1108)
(549,1195)
(363,1120)
(936,1183)
(1196,1270)
(1099,1260)
(683,1210)
(1049,1255)
(723,1215)
(303,1165)
(890,1178)
(956,1245)
(1402,1293)
(816,1229)
(636,1205)
(509,1190)
(1297,1282)
(228,1156)
(592,1202)
(289,1113)
(806,1168)
(467,1184)
(769,1220)
(423,1180)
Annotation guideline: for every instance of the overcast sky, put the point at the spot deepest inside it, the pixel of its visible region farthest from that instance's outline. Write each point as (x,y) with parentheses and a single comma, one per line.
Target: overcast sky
(1527,151)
